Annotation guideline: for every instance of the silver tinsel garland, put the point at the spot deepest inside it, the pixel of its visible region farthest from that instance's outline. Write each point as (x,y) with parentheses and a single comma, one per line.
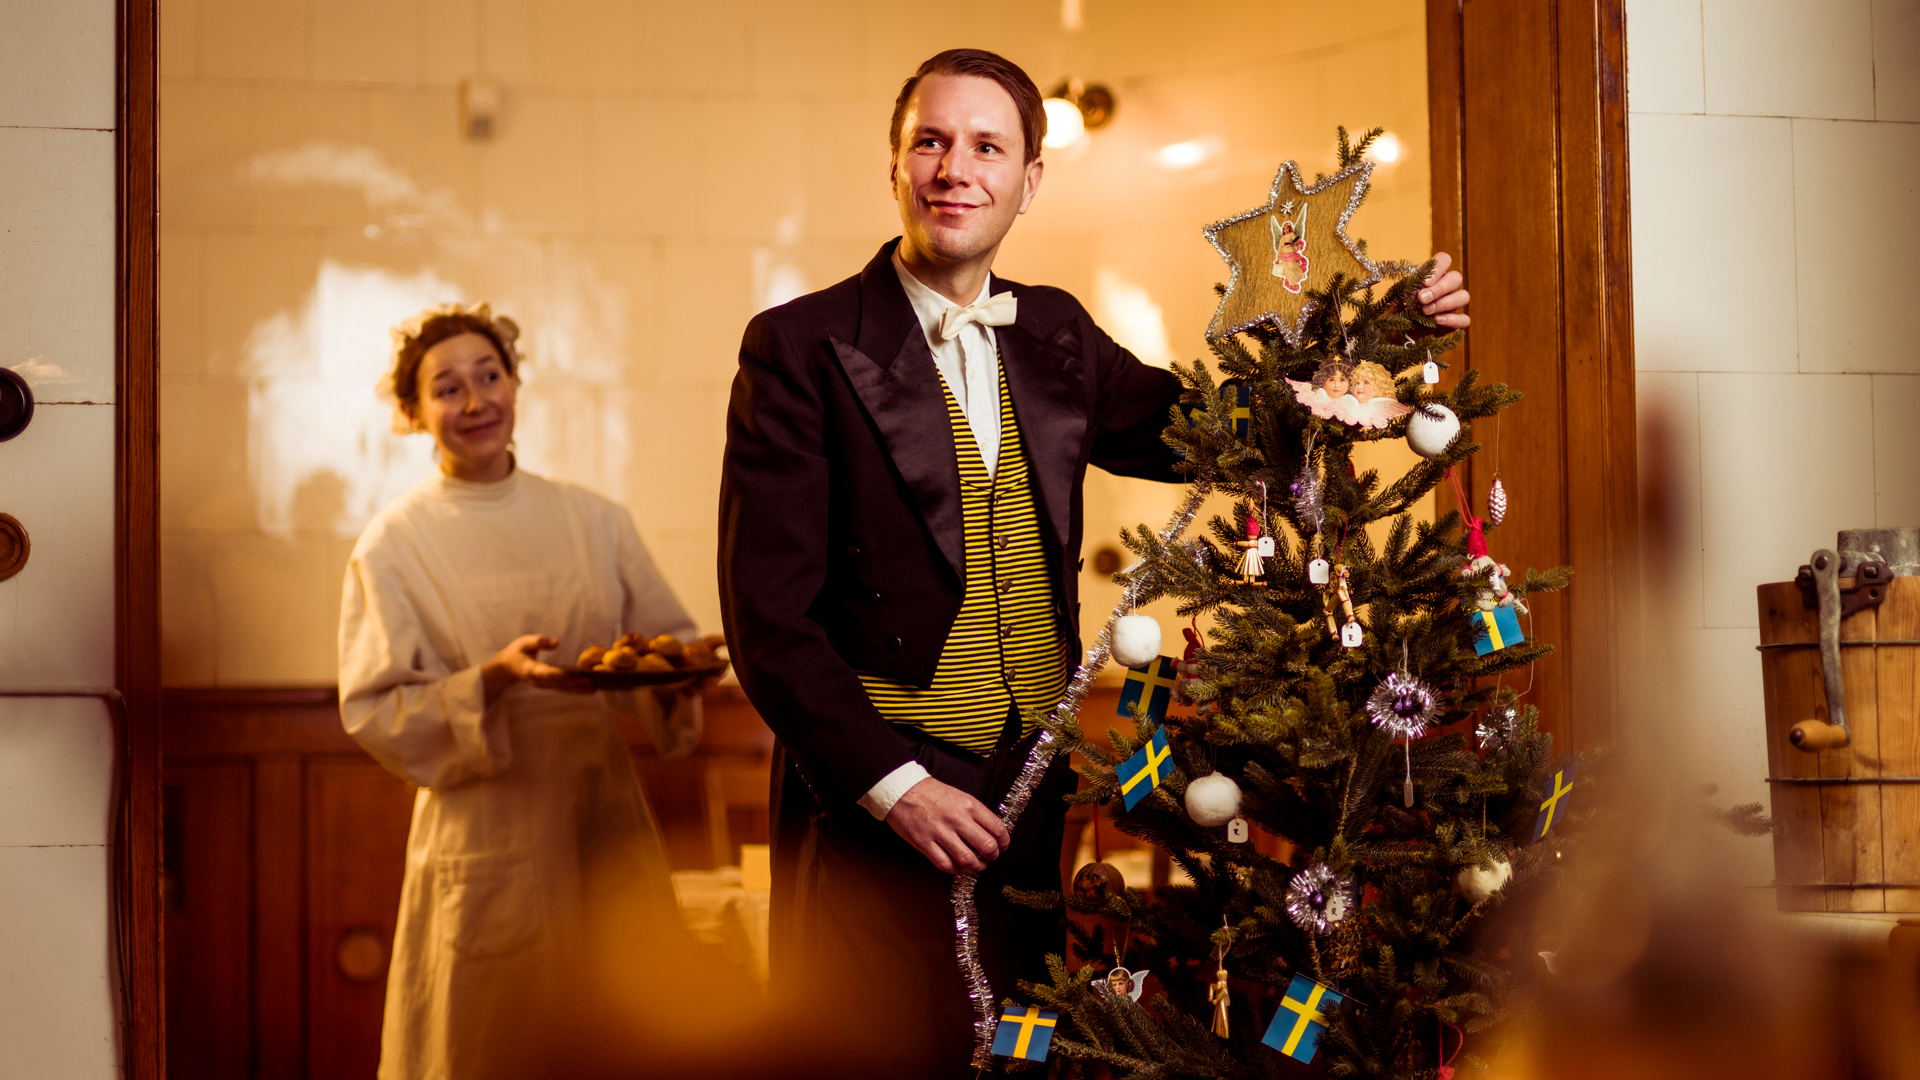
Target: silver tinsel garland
(1403,705)
(1308,493)
(1319,899)
(1495,728)
(966,914)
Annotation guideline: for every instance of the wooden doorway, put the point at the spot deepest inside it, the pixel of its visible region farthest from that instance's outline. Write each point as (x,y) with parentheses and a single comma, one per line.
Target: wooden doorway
(1528,104)
(1528,130)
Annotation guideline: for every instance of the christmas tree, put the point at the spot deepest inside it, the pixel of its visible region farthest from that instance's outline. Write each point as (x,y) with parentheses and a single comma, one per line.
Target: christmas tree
(1347,697)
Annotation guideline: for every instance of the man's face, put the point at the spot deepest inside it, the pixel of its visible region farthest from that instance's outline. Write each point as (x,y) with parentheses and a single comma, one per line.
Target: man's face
(960,177)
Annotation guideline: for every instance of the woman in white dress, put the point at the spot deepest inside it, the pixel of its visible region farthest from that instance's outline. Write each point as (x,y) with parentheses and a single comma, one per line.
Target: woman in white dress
(532,857)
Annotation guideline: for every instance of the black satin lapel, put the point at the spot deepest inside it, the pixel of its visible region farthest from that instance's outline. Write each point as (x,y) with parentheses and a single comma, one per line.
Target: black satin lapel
(906,404)
(1049,402)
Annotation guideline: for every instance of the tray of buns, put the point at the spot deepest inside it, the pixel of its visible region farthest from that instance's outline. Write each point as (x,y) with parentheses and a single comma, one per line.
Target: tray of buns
(636,661)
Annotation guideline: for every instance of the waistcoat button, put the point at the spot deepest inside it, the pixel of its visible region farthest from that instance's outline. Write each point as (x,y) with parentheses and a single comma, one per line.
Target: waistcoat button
(1001,542)
(893,644)
(1006,585)
(873,600)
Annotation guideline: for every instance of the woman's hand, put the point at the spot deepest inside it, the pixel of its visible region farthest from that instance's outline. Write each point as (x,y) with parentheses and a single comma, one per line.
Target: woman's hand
(518,663)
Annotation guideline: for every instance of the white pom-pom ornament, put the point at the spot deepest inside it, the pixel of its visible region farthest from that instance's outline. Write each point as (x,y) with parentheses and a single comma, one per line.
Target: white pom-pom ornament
(1477,882)
(1432,429)
(1213,799)
(1136,640)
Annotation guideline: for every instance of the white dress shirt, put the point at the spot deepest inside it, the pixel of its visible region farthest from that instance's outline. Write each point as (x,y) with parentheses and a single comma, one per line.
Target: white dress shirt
(969,362)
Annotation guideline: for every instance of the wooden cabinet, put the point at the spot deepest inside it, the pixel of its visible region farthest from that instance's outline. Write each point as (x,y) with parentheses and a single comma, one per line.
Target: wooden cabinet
(283,850)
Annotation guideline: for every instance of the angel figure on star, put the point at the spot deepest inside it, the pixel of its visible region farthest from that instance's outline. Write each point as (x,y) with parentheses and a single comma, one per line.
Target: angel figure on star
(1290,251)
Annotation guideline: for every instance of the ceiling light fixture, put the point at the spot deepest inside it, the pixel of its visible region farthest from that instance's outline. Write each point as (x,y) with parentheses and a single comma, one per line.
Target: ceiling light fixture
(1073,109)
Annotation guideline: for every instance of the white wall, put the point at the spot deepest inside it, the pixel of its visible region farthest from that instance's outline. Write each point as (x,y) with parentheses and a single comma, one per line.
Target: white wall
(56,615)
(1774,147)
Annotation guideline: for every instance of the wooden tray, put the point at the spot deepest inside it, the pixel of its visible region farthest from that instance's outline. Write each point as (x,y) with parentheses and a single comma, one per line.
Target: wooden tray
(627,680)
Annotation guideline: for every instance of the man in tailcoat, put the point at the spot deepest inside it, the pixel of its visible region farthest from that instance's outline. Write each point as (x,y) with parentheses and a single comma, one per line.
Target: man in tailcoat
(899,552)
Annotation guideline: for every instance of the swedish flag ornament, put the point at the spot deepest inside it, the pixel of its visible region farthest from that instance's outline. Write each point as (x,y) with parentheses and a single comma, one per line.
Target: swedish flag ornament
(1151,683)
(1025,1032)
(1554,808)
(1303,1016)
(1145,770)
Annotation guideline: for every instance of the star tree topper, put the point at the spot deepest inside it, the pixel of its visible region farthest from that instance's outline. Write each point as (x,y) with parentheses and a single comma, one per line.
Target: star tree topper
(1293,245)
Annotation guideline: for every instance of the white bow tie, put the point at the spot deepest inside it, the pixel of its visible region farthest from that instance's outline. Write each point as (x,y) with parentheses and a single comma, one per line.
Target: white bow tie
(993,311)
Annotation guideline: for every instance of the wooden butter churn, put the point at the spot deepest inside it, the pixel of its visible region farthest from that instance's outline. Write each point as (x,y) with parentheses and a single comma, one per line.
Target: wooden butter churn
(1840,658)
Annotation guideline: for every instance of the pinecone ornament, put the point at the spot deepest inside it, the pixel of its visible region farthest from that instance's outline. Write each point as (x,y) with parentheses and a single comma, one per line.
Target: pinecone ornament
(1497,502)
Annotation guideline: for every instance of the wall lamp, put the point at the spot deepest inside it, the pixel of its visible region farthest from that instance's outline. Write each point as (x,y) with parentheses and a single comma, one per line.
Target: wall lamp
(1073,109)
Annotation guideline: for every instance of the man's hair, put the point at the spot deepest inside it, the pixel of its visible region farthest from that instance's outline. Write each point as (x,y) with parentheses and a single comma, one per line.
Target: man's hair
(984,65)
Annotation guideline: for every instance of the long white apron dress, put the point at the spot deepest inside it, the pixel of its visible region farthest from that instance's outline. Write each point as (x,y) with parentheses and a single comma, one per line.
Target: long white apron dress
(530,829)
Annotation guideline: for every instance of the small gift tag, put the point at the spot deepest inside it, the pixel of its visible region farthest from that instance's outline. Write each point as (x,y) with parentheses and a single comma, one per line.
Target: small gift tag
(1237,831)
(1350,635)
(1318,573)
(1266,547)
(1430,373)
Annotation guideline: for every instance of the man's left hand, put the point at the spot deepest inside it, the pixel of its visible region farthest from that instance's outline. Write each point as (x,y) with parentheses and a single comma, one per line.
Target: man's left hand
(1445,294)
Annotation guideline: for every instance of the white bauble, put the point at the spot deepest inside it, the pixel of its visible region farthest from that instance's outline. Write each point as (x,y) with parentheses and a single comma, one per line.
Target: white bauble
(1136,640)
(1432,429)
(1213,799)
(1477,882)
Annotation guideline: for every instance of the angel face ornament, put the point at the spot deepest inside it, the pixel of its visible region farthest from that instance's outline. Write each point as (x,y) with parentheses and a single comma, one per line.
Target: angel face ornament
(1373,403)
(1327,395)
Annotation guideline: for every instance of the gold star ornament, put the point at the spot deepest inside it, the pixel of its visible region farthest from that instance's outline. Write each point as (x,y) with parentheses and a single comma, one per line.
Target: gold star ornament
(1287,249)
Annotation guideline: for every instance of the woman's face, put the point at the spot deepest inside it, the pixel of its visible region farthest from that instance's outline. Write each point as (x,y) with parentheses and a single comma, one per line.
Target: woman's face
(466,402)
(1336,384)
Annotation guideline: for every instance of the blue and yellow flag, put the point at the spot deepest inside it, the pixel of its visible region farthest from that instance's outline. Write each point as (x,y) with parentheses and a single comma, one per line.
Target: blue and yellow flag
(1296,1028)
(1552,810)
(1025,1033)
(1498,629)
(1144,771)
(1153,682)
(1242,407)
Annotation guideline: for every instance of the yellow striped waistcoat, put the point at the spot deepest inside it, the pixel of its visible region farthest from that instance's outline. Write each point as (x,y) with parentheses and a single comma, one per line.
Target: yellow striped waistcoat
(1004,650)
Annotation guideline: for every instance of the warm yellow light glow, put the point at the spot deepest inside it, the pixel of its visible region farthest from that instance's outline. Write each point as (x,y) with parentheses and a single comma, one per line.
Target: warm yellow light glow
(1064,125)
(1386,150)
(1182,155)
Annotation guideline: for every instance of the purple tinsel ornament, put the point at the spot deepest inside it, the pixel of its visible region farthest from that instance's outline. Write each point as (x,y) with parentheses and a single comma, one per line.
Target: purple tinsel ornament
(1319,899)
(1403,705)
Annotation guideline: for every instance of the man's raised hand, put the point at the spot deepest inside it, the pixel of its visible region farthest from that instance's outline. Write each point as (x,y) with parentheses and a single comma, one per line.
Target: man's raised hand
(954,830)
(1445,294)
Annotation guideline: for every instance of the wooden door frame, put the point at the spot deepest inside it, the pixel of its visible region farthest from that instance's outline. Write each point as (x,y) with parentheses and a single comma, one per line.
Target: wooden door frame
(136,855)
(1530,97)
(1586,486)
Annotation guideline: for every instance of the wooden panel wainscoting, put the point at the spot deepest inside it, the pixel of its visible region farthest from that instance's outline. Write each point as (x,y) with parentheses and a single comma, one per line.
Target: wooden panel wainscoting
(282,860)
(1527,110)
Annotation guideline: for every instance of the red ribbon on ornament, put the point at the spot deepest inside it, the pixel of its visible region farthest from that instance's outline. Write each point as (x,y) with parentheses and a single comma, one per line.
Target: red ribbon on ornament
(1476,536)
(1446,1063)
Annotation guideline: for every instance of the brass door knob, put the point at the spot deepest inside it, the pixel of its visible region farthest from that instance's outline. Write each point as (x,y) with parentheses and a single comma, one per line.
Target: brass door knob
(14,546)
(361,955)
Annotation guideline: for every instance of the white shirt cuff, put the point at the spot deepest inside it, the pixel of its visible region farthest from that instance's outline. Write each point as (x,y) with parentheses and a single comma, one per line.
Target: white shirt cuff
(880,798)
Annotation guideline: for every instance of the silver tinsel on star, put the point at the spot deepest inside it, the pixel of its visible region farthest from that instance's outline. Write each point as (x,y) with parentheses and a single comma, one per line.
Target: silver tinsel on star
(1403,705)
(1319,899)
(1495,727)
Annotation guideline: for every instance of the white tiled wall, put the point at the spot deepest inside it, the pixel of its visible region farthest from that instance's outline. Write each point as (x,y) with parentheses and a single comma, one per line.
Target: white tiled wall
(661,172)
(1776,210)
(56,615)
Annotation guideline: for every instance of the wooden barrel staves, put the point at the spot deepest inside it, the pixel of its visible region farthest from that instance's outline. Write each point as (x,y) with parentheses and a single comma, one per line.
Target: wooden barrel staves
(1848,836)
